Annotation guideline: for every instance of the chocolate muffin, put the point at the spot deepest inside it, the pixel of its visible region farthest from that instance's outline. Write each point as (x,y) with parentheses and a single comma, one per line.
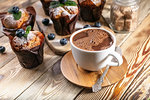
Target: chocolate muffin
(45,5)
(64,14)
(17,18)
(91,10)
(28,46)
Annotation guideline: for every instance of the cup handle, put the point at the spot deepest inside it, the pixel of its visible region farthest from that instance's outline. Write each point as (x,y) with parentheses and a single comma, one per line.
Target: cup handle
(117,57)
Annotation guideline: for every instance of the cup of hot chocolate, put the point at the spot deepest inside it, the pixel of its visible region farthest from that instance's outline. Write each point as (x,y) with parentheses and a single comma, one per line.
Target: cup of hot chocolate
(94,48)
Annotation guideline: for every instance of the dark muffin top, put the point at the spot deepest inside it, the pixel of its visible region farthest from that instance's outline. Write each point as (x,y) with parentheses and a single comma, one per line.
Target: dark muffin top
(27,39)
(90,2)
(15,19)
(61,9)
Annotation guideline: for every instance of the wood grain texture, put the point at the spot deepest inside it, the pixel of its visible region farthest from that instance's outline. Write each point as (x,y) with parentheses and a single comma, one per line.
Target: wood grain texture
(15,79)
(140,90)
(78,76)
(55,44)
(51,86)
(137,51)
(47,82)
(8,55)
(135,66)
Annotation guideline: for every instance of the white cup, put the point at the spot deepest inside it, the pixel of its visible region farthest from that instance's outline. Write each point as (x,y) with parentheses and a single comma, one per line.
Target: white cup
(95,60)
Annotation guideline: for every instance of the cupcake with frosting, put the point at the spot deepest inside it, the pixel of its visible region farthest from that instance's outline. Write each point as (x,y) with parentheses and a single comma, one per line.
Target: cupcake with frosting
(17,18)
(64,14)
(91,10)
(28,46)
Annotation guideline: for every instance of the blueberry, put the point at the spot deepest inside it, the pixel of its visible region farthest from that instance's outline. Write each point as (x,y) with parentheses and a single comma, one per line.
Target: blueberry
(2,49)
(45,21)
(15,9)
(20,33)
(63,41)
(51,36)
(97,24)
(87,26)
(62,1)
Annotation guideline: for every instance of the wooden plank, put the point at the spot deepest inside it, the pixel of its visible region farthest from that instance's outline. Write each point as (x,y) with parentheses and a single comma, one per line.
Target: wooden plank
(51,86)
(139,90)
(15,79)
(20,80)
(8,55)
(136,65)
(136,49)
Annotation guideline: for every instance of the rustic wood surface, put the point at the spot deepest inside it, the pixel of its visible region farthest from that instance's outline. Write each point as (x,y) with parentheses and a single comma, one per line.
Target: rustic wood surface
(137,51)
(47,81)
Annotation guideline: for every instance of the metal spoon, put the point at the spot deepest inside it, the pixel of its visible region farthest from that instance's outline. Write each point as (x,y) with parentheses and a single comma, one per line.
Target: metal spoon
(97,86)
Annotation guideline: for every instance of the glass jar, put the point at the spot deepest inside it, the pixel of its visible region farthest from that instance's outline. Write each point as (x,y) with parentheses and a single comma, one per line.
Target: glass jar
(124,15)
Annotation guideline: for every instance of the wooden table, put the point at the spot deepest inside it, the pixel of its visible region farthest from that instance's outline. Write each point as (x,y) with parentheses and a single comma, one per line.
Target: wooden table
(47,81)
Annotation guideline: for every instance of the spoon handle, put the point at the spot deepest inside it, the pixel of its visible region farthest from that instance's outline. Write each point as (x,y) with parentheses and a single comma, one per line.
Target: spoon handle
(96,87)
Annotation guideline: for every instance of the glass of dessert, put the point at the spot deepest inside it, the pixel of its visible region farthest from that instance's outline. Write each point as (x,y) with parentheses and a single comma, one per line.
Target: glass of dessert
(91,10)
(64,14)
(17,18)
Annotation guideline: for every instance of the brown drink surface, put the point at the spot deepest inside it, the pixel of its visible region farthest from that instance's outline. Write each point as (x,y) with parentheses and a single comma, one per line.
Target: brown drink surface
(93,40)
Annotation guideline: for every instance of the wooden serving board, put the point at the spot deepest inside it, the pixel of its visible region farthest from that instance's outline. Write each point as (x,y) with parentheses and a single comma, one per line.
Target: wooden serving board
(54,44)
(78,76)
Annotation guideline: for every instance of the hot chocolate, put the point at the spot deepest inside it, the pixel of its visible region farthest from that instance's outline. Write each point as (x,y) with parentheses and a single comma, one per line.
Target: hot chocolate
(93,40)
